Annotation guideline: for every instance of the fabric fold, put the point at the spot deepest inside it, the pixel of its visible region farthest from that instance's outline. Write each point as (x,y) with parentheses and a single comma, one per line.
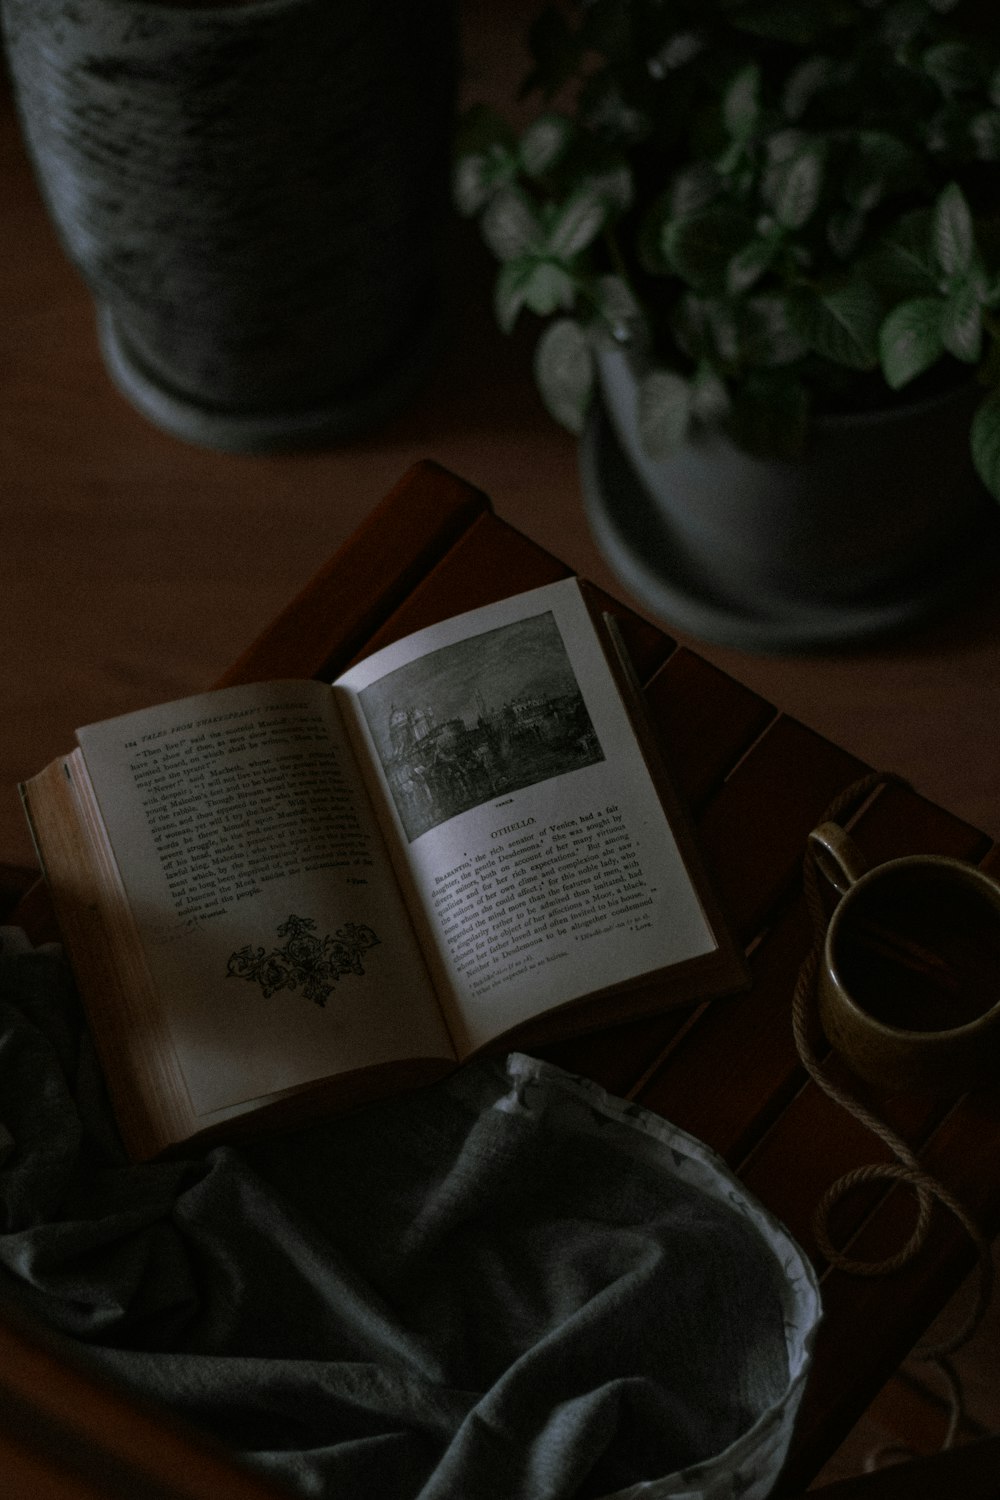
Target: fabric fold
(507,1283)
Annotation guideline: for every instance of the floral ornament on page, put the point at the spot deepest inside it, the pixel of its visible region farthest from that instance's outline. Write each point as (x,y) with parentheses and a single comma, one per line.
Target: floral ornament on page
(306,961)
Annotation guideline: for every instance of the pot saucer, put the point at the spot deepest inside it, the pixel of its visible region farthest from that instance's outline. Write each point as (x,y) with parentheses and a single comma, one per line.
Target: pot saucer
(340,420)
(637,540)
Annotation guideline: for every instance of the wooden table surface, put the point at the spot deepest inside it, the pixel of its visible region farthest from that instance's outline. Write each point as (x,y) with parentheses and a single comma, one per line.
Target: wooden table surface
(728,1071)
(134,568)
(756,781)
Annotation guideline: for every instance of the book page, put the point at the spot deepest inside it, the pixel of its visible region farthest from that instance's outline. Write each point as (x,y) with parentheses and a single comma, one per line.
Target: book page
(522,811)
(269,914)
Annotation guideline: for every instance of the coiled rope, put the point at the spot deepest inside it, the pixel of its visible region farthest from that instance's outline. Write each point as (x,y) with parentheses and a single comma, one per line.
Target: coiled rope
(906,1166)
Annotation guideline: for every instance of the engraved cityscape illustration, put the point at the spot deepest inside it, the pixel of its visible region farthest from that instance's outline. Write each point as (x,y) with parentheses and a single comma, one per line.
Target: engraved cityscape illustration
(478,720)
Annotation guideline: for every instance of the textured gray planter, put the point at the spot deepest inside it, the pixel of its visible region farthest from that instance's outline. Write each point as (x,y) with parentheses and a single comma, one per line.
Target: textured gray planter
(881,523)
(253,193)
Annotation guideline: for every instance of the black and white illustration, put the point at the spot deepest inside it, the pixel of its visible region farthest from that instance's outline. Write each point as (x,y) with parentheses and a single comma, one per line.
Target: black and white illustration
(478,720)
(304,962)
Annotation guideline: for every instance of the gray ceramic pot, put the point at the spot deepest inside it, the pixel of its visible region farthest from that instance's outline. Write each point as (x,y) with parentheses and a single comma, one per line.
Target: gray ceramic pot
(253,193)
(882,522)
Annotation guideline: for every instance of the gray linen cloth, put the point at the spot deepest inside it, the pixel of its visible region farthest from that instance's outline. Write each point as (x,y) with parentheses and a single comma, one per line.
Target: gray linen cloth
(507,1285)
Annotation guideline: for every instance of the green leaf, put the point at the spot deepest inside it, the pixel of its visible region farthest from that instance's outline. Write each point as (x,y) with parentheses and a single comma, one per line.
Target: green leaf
(710,401)
(544,143)
(962,323)
(884,165)
(691,329)
(712,328)
(613,185)
(618,308)
(510,225)
(741,103)
(782,145)
(701,247)
(579,222)
(910,340)
(902,264)
(680,48)
(664,411)
(985,438)
(946,133)
(903,24)
(804,83)
(692,190)
(509,291)
(730,164)
(954,66)
(952,231)
(768,335)
(863,187)
(842,325)
(984,129)
(564,370)
(793,189)
(470,188)
(748,265)
(485,158)
(531,280)
(844,231)
(476,178)
(613,116)
(549,289)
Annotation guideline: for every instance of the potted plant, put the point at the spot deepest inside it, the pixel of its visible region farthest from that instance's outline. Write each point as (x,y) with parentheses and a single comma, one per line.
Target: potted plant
(764,239)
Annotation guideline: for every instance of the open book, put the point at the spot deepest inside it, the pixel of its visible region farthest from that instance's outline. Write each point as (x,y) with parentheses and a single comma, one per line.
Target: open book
(292,897)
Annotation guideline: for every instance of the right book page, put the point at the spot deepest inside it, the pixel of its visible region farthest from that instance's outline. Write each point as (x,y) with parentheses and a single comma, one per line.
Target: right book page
(532,840)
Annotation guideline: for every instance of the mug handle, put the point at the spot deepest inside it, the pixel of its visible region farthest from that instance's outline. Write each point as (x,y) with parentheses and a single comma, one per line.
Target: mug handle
(837,856)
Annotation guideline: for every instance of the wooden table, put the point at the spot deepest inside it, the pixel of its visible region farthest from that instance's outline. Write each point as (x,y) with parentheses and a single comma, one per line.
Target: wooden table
(757,782)
(728,1071)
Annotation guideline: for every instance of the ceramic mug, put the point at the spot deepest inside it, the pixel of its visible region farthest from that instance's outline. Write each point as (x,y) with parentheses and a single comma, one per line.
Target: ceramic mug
(909,984)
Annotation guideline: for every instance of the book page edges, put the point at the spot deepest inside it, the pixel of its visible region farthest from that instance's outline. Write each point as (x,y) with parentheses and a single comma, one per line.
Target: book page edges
(129,1029)
(692,981)
(310,1103)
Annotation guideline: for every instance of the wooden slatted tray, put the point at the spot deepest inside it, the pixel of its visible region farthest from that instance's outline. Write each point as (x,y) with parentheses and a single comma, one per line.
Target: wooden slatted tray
(728,1071)
(757,781)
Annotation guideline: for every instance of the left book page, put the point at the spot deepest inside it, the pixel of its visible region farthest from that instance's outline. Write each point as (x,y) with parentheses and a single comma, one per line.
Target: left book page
(269,917)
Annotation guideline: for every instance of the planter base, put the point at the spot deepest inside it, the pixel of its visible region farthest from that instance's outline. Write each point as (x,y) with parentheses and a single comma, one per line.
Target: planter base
(635,538)
(266,431)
